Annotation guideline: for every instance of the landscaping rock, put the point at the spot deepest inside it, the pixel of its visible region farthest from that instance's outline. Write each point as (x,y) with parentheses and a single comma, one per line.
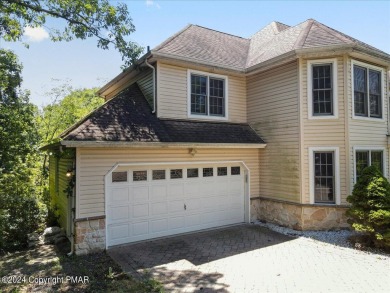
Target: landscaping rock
(51,231)
(33,237)
(60,239)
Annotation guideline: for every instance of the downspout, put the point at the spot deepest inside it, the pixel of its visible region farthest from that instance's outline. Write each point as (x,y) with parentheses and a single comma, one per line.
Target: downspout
(154,85)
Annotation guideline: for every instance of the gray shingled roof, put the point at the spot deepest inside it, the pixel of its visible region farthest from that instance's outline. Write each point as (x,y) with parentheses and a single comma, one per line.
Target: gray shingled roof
(208,46)
(200,43)
(128,117)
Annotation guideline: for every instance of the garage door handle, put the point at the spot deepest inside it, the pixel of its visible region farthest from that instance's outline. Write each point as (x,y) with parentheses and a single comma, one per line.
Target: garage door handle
(185,207)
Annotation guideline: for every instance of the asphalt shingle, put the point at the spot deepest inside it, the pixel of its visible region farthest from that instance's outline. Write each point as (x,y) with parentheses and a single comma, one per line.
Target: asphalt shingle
(128,117)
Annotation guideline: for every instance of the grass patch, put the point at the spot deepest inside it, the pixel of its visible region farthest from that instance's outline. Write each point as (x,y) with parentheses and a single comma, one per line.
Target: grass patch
(90,273)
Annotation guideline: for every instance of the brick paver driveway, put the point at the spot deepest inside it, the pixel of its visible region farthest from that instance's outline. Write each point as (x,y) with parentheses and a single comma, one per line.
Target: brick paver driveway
(251,258)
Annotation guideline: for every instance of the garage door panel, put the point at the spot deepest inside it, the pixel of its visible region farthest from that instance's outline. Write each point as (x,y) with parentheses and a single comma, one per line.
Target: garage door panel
(147,209)
(159,225)
(119,231)
(140,210)
(120,213)
(140,228)
(119,195)
(140,194)
(176,206)
(175,190)
(158,192)
(176,223)
(158,208)
(193,204)
(192,188)
(193,220)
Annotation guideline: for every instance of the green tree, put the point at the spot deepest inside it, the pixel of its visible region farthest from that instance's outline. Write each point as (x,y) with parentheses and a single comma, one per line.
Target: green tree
(84,19)
(370,210)
(20,211)
(64,112)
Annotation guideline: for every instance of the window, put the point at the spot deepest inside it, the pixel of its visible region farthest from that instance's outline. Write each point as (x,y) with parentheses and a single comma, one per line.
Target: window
(119,176)
(192,172)
(235,170)
(158,174)
(322,85)
(207,172)
(324,180)
(367,91)
(324,175)
(207,95)
(140,175)
(176,173)
(222,171)
(365,158)
(322,90)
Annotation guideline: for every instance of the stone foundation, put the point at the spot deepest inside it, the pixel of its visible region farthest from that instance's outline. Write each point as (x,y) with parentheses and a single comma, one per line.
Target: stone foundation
(301,216)
(90,236)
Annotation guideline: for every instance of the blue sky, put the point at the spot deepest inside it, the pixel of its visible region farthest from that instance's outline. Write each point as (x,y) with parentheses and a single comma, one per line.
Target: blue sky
(83,65)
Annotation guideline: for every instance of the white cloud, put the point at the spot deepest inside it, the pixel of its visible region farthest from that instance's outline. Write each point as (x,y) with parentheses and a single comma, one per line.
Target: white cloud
(35,34)
(151,3)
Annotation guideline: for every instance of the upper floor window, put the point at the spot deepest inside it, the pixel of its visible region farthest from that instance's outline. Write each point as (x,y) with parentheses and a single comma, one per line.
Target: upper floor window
(322,85)
(367,91)
(207,95)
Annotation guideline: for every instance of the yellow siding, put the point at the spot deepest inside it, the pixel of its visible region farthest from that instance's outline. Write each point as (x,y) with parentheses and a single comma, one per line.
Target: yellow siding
(273,111)
(143,79)
(145,83)
(172,94)
(59,198)
(324,132)
(94,163)
(368,133)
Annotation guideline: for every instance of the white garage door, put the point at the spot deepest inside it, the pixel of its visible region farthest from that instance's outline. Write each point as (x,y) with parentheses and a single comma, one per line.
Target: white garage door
(154,201)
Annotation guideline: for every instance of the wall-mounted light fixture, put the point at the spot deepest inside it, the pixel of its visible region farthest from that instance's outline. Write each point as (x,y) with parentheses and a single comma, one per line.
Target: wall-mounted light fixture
(193,152)
(69,172)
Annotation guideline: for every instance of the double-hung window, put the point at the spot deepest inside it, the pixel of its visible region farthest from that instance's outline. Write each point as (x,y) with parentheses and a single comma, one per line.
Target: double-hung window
(207,95)
(322,86)
(365,158)
(324,175)
(367,91)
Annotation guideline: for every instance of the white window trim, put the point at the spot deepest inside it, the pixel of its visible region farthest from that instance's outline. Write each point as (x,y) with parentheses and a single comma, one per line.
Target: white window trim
(310,63)
(368,66)
(207,117)
(369,148)
(336,173)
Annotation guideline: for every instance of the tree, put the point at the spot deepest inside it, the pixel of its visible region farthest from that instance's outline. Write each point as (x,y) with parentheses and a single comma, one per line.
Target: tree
(370,210)
(20,210)
(64,112)
(84,18)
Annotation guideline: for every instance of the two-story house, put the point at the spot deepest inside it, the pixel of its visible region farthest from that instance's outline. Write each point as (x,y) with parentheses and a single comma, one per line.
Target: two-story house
(210,129)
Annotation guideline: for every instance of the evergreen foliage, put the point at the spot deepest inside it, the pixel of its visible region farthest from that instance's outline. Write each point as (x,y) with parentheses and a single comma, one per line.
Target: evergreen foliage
(370,210)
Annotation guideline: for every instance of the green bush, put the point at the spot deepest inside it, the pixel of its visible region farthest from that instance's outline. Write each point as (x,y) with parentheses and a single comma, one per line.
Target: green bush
(21,212)
(370,210)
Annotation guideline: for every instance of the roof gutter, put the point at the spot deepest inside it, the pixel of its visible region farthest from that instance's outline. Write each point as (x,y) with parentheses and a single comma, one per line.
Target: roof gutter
(154,85)
(130,144)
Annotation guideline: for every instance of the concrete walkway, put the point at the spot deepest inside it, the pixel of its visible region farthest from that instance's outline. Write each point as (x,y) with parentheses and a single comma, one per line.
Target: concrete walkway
(250,258)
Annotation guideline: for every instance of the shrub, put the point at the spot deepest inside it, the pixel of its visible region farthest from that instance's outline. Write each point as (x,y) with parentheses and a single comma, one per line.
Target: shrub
(21,212)
(370,210)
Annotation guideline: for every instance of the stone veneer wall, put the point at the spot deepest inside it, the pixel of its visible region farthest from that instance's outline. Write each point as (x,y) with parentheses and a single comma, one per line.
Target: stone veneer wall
(302,217)
(90,236)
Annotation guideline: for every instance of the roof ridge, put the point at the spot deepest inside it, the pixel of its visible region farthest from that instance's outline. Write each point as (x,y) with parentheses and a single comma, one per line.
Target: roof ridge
(303,34)
(210,29)
(334,32)
(171,38)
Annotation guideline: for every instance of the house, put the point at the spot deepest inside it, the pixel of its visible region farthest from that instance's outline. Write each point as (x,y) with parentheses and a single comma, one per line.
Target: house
(210,129)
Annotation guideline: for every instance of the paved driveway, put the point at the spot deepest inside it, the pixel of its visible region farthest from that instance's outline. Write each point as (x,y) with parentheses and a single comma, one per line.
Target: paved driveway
(251,258)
